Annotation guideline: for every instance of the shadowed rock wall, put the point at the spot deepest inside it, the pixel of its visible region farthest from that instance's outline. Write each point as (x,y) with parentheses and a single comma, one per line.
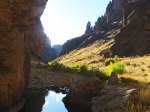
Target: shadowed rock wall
(134,38)
(21,33)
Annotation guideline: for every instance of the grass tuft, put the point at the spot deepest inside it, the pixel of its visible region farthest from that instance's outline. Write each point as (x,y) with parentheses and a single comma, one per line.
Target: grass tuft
(117,67)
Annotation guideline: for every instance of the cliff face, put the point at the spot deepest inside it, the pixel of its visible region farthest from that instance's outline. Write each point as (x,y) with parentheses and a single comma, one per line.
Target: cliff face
(134,38)
(72,44)
(21,33)
(112,19)
(132,17)
(57,48)
(114,10)
(49,53)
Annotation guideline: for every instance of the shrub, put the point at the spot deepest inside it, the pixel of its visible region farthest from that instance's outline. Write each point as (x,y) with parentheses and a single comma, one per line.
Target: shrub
(77,68)
(98,73)
(116,67)
(55,66)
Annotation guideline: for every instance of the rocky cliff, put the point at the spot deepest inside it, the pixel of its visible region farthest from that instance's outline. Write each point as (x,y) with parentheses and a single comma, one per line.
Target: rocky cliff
(21,34)
(134,38)
(49,52)
(131,16)
(112,19)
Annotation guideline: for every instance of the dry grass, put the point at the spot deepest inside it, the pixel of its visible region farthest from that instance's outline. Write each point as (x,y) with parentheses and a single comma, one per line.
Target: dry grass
(137,73)
(137,68)
(89,55)
(144,94)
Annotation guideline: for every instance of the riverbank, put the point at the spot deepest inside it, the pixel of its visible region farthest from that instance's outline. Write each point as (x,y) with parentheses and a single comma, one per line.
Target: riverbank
(42,77)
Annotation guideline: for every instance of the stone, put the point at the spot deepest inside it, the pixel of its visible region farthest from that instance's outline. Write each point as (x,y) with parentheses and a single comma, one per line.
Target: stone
(21,34)
(79,98)
(115,99)
(113,79)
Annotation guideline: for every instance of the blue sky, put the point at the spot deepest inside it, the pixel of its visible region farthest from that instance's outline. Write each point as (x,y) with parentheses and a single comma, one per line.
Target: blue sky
(66,19)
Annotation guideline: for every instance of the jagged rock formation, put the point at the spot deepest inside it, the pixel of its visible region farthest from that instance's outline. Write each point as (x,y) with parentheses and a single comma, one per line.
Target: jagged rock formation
(114,10)
(132,17)
(112,19)
(134,38)
(21,34)
(88,28)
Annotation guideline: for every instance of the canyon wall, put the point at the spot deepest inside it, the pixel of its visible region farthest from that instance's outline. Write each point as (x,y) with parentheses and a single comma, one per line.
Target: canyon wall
(21,34)
(134,38)
(105,23)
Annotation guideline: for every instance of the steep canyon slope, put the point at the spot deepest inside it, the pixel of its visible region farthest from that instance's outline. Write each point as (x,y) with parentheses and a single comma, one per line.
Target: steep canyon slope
(131,17)
(134,38)
(21,34)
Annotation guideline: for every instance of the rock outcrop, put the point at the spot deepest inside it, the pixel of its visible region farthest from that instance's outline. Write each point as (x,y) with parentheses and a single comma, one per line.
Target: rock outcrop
(115,99)
(88,28)
(134,38)
(112,19)
(79,99)
(114,10)
(21,34)
(93,96)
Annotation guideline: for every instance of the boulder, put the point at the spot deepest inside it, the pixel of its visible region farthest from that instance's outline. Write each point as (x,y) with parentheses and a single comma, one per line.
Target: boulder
(115,99)
(113,79)
(79,99)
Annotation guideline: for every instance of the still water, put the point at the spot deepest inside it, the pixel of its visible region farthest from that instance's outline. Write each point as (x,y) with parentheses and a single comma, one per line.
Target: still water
(53,102)
(44,101)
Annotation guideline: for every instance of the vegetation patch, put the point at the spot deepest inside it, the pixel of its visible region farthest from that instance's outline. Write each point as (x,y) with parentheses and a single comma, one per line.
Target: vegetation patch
(82,69)
(117,67)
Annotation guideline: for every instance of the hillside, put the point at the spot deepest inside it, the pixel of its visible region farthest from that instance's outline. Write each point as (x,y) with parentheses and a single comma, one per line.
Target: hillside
(130,42)
(112,19)
(131,16)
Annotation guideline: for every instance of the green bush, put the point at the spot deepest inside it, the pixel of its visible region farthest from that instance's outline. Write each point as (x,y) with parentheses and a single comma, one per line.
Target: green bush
(77,68)
(100,74)
(55,66)
(116,67)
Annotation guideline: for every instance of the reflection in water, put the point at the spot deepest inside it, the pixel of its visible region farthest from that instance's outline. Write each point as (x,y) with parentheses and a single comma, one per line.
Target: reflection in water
(44,101)
(53,102)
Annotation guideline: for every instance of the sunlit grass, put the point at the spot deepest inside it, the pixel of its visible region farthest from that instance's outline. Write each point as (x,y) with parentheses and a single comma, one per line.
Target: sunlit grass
(117,67)
(82,69)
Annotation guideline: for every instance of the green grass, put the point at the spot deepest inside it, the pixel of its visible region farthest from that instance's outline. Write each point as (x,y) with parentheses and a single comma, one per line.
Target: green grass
(82,69)
(55,66)
(117,67)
